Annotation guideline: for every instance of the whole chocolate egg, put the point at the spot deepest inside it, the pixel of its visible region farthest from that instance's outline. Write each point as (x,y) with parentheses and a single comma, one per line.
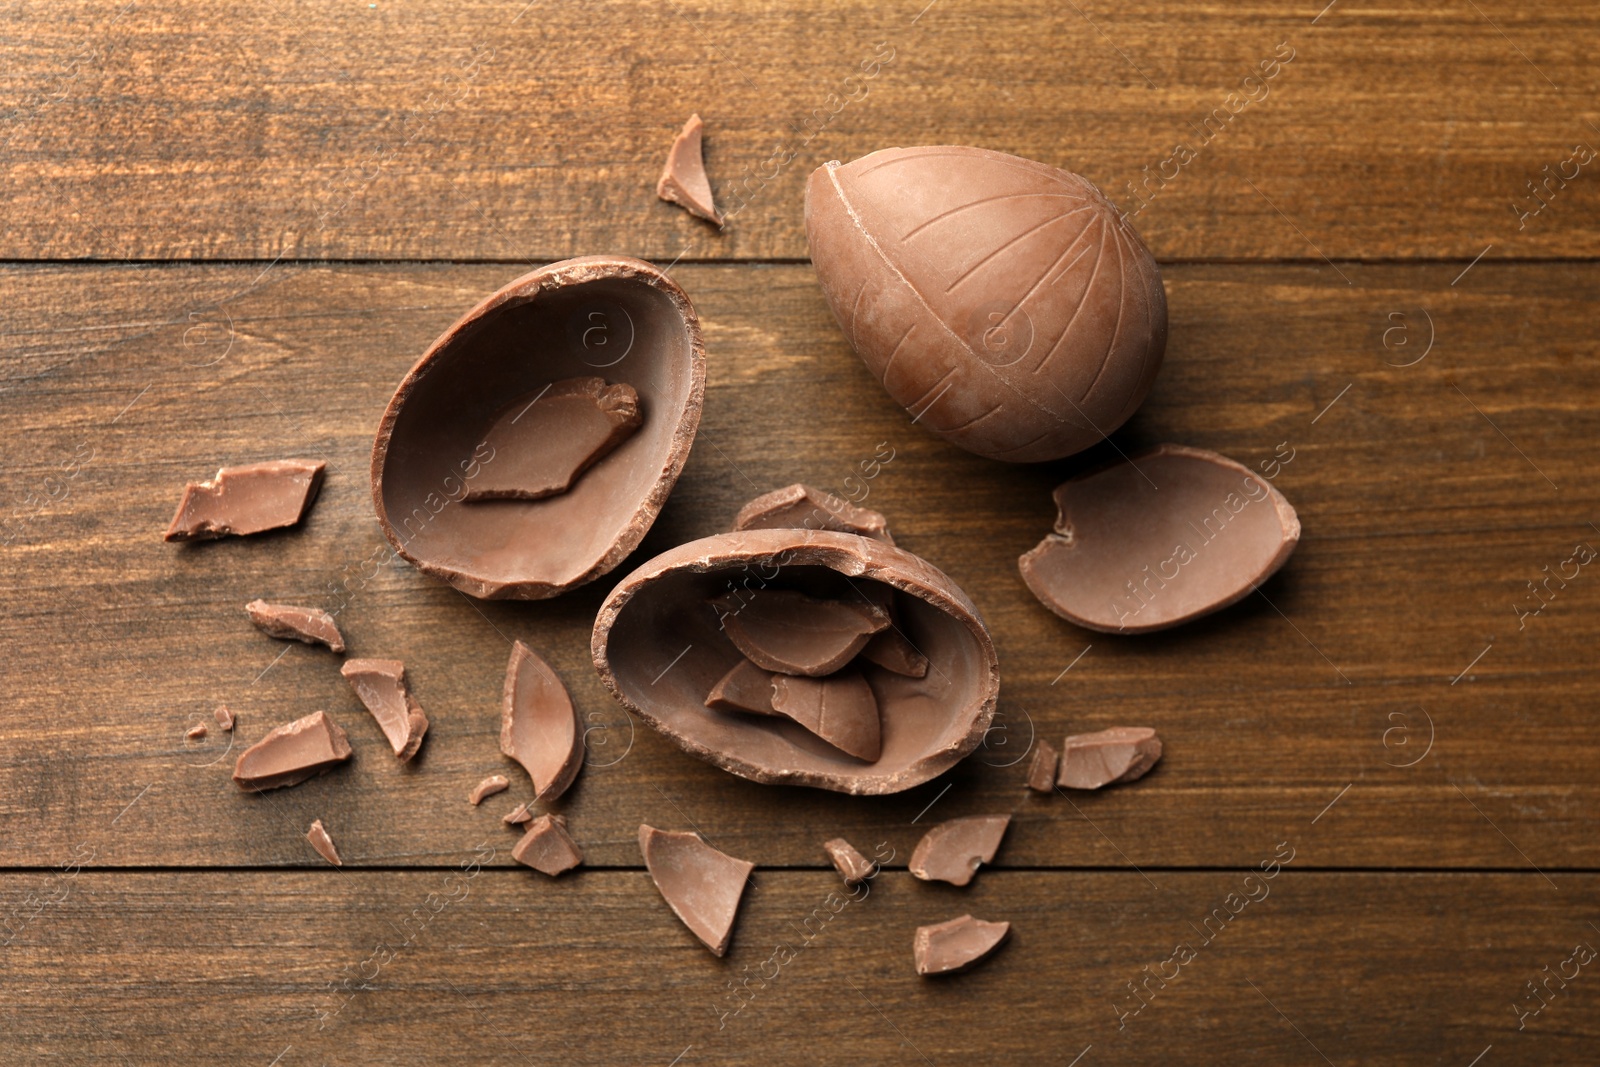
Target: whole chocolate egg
(1006,304)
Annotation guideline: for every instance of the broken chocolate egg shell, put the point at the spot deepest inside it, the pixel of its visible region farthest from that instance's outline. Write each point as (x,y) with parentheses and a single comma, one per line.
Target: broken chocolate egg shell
(611,317)
(659,650)
(1159,539)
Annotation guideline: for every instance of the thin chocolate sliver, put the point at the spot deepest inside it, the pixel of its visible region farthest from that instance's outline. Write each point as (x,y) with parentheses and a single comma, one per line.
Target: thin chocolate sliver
(954,946)
(240,501)
(381,685)
(788,632)
(539,727)
(953,851)
(745,687)
(197,732)
(518,815)
(852,866)
(544,441)
(840,709)
(702,885)
(547,847)
(318,836)
(800,507)
(495,783)
(683,179)
(292,753)
(292,623)
(1042,768)
(1120,754)
(891,650)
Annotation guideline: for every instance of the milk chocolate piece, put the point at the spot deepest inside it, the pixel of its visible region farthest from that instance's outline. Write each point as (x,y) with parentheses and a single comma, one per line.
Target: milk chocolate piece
(852,866)
(700,884)
(538,726)
(954,946)
(1042,769)
(953,851)
(1120,754)
(381,685)
(224,717)
(745,687)
(800,507)
(495,783)
(292,753)
(296,624)
(547,847)
(600,315)
(791,633)
(1007,305)
(659,651)
(318,836)
(891,650)
(197,731)
(840,709)
(518,815)
(247,500)
(543,441)
(683,179)
(1151,542)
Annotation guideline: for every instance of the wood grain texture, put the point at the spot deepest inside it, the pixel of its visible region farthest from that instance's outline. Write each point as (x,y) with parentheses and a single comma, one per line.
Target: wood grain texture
(1423,492)
(499,130)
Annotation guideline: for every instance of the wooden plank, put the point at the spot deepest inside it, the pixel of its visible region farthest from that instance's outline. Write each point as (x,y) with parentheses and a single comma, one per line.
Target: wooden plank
(176,130)
(1422,491)
(488,967)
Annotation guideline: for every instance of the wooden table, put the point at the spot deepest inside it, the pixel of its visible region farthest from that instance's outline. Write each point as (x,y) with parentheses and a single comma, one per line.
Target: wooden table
(229,230)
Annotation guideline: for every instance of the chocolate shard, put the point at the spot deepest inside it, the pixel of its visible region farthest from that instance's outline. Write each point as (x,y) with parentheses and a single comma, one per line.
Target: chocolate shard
(544,441)
(893,651)
(547,847)
(1120,754)
(495,783)
(1042,769)
(852,866)
(701,885)
(954,946)
(683,179)
(224,717)
(518,815)
(247,500)
(840,709)
(791,633)
(197,732)
(381,685)
(292,753)
(800,507)
(539,727)
(953,851)
(1156,540)
(745,687)
(296,624)
(318,836)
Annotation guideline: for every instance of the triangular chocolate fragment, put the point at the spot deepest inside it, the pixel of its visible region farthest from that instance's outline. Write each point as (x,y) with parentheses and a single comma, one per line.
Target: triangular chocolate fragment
(840,709)
(381,685)
(700,884)
(683,179)
(292,753)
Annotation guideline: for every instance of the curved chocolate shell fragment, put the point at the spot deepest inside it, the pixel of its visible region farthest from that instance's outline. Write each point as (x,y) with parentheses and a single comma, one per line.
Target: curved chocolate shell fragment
(840,709)
(800,507)
(683,179)
(1167,536)
(291,753)
(1006,304)
(318,838)
(544,441)
(954,850)
(745,687)
(612,317)
(890,650)
(292,623)
(381,685)
(852,866)
(701,885)
(547,847)
(1042,768)
(659,651)
(539,727)
(1120,754)
(239,501)
(791,633)
(954,946)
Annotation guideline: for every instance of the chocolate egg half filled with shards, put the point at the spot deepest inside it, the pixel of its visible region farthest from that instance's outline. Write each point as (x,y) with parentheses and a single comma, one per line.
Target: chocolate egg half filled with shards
(1006,304)
(672,642)
(532,446)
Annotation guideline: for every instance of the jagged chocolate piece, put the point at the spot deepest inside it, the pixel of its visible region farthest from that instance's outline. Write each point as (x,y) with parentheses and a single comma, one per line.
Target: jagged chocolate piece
(495,783)
(683,179)
(852,866)
(952,947)
(840,709)
(224,717)
(745,687)
(1120,754)
(292,753)
(891,650)
(800,507)
(547,847)
(699,883)
(791,633)
(318,836)
(539,728)
(518,816)
(381,685)
(247,500)
(543,441)
(291,623)
(953,851)
(1042,769)
(197,732)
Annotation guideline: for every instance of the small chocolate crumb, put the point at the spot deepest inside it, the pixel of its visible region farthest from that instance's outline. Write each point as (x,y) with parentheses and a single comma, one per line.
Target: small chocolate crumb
(547,847)
(789,632)
(296,624)
(292,753)
(800,507)
(701,885)
(495,783)
(840,709)
(745,687)
(539,727)
(1042,771)
(683,179)
(381,685)
(953,851)
(891,650)
(518,815)
(224,717)
(196,732)
(543,441)
(852,866)
(247,500)
(323,843)
(1120,754)
(952,947)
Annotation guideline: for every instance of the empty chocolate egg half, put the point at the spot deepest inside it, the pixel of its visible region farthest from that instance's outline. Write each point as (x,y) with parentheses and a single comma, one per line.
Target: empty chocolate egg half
(572,395)
(660,648)
(1006,304)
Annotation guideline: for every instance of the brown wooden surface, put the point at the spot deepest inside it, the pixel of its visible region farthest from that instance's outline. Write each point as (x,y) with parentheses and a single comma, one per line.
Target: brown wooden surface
(1378,708)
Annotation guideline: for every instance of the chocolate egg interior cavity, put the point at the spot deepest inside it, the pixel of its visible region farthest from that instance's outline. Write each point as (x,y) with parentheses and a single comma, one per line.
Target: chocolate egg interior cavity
(660,648)
(616,319)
